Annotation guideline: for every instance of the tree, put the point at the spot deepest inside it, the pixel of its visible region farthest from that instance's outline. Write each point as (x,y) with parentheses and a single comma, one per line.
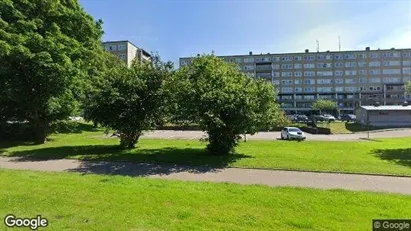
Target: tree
(50,52)
(408,87)
(223,101)
(324,105)
(131,100)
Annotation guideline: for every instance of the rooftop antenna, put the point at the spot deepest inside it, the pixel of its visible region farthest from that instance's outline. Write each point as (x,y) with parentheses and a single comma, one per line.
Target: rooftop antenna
(318,46)
(339,43)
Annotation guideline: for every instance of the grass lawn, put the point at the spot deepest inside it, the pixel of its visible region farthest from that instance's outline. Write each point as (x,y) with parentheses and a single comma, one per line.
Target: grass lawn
(385,156)
(71,201)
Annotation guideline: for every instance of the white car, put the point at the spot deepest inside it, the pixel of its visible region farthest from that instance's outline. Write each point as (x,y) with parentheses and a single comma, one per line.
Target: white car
(292,133)
(328,117)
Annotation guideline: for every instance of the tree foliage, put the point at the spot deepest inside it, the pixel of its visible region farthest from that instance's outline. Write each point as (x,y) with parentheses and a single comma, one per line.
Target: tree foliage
(50,52)
(408,87)
(324,105)
(131,100)
(223,101)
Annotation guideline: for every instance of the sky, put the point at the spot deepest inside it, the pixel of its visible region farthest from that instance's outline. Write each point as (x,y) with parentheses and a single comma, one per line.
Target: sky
(184,28)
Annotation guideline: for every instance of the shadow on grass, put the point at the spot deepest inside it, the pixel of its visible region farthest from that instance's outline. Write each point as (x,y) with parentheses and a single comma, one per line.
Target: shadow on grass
(401,156)
(366,139)
(109,159)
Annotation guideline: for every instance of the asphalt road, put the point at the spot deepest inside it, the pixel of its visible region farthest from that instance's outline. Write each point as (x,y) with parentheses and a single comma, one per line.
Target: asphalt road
(195,135)
(401,185)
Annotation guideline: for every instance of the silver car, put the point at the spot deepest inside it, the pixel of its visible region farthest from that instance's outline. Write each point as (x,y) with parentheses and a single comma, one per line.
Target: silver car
(292,133)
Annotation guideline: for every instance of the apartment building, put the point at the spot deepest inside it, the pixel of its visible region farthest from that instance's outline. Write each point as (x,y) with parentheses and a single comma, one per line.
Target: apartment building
(351,78)
(126,51)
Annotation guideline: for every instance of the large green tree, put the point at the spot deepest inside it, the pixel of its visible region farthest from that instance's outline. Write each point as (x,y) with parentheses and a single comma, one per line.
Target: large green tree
(132,100)
(50,52)
(223,101)
(324,105)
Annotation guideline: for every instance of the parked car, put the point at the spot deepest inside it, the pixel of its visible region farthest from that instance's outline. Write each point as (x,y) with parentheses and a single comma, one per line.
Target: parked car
(328,117)
(348,118)
(316,118)
(292,133)
(301,118)
(291,117)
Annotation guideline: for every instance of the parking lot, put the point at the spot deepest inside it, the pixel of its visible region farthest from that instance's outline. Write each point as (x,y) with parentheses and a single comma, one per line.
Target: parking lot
(195,135)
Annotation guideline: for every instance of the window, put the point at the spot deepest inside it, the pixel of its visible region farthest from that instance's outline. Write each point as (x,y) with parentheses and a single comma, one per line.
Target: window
(298,89)
(309,73)
(339,64)
(324,65)
(339,89)
(375,64)
(112,47)
(406,70)
(406,54)
(287,97)
(309,65)
(406,79)
(375,80)
(328,57)
(350,56)
(309,81)
(123,57)
(391,71)
(286,58)
(350,73)
(391,63)
(309,97)
(276,66)
(320,57)
(275,59)
(362,64)
(339,73)
(391,55)
(350,81)
(298,74)
(350,64)
(286,66)
(309,57)
(375,72)
(249,60)
(324,89)
(249,67)
(287,82)
(339,81)
(122,47)
(362,72)
(391,80)
(298,81)
(298,58)
(183,62)
(406,62)
(309,89)
(324,81)
(276,74)
(266,59)
(298,66)
(276,82)
(351,89)
(362,80)
(375,55)
(324,73)
(339,56)
(362,56)
(286,89)
(238,60)
(286,74)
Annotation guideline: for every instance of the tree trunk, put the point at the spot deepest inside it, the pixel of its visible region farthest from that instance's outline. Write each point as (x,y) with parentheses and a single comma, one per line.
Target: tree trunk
(40,132)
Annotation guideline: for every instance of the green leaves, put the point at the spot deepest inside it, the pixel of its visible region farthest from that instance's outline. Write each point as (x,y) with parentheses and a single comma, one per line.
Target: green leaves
(324,105)
(224,101)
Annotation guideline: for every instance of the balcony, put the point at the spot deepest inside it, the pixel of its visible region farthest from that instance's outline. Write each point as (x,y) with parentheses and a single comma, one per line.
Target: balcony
(263,67)
(264,75)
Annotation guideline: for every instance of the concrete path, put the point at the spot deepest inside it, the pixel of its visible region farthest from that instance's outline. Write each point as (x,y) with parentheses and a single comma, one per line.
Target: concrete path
(195,135)
(389,184)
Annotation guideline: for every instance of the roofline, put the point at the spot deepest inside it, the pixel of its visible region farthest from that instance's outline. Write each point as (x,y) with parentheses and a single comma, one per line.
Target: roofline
(128,41)
(309,53)
(386,109)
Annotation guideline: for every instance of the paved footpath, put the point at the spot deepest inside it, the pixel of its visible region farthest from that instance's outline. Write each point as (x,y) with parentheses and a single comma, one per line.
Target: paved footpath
(355,182)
